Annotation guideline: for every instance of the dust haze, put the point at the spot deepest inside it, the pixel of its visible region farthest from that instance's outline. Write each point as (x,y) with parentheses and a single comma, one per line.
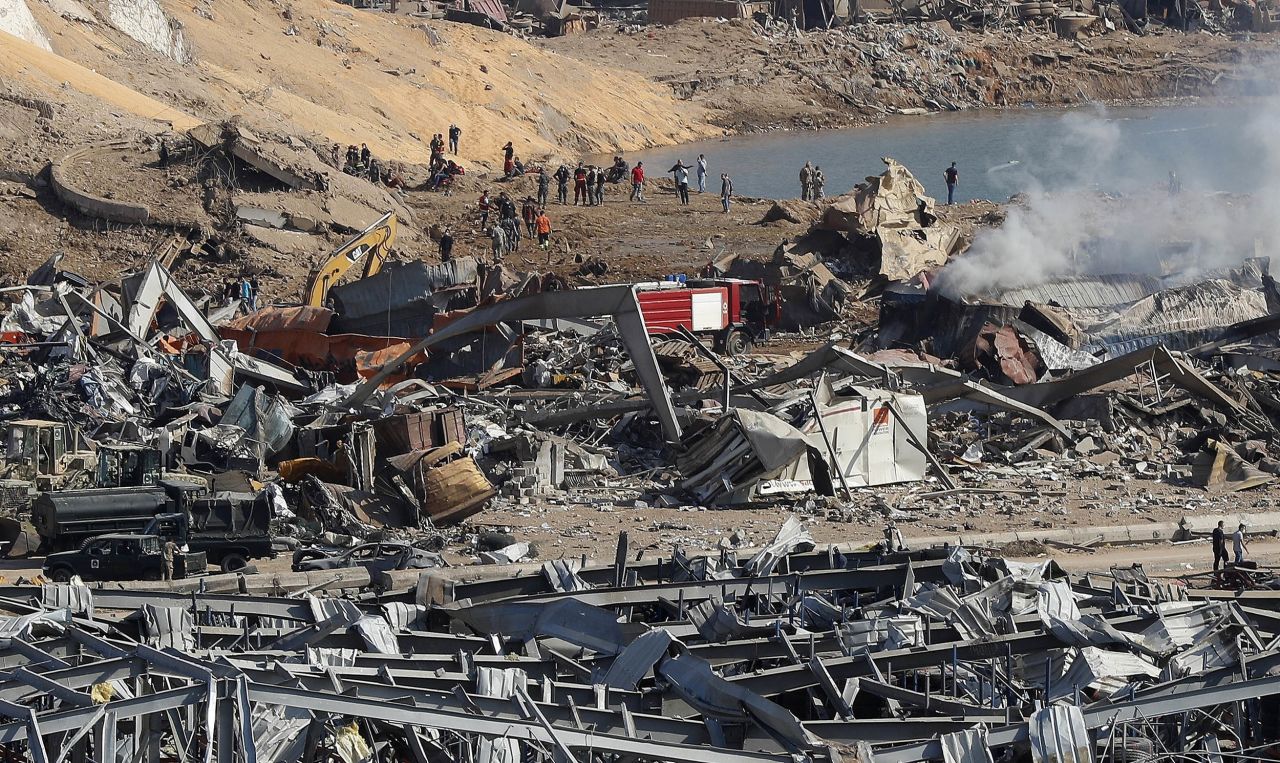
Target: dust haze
(1093,208)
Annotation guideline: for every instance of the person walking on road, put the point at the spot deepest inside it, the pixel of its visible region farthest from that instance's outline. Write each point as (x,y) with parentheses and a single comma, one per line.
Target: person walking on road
(542,224)
(681,172)
(953,179)
(1219,540)
(726,191)
(637,182)
(702,173)
(1239,546)
(806,182)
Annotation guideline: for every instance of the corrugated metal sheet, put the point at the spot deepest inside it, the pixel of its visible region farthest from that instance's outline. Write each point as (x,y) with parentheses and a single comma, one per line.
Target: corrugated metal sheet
(969,746)
(396,288)
(1058,735)
(1084,291)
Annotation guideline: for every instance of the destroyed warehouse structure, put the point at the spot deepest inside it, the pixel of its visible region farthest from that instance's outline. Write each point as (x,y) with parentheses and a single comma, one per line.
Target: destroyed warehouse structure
(789,654)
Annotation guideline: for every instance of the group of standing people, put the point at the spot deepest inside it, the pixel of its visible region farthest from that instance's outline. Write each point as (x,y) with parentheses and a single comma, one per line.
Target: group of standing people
(680,172)
(505,234)
(588,184)
(245,289)
(812,182)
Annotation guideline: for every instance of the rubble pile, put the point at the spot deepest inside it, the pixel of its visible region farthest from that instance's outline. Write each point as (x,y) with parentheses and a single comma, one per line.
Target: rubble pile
(787,654)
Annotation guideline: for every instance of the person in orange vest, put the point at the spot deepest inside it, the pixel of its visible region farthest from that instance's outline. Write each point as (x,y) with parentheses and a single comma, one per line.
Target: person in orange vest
(542,224)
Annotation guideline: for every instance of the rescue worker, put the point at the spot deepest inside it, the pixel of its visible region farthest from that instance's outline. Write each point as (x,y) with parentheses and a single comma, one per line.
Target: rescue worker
(637,182)
(726,191)
(702,173)
(579,184)
(543,226)
(893,540)
(508,155)
(544,184)
(529,213)
(499,240)
(170,551)
(806,182)
(486,207)
(591,185)
(562,184)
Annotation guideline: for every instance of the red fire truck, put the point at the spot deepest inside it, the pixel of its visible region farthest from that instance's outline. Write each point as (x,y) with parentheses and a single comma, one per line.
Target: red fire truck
(731,311)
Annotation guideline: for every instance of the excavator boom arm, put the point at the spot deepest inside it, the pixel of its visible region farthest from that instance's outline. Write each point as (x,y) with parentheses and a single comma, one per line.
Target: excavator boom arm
(370,245)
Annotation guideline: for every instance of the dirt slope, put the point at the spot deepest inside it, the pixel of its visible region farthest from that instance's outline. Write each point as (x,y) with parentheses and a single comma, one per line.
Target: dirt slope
(316,67)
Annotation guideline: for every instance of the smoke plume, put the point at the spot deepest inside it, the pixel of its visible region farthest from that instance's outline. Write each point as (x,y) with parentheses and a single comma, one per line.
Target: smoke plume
(1098,206)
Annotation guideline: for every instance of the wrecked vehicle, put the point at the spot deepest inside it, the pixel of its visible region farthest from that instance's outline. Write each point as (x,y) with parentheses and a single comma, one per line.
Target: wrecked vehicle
(375,557)
(734,313)
(121,557)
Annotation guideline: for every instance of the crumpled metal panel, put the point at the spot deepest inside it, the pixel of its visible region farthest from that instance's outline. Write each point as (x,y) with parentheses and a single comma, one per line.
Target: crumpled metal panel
(1058,735)
(635,662)
(377,635)
(76,597)
(562,574)
(171,627)
(694,680)
(404,616)
(792,536)
(500,682)
(969,746)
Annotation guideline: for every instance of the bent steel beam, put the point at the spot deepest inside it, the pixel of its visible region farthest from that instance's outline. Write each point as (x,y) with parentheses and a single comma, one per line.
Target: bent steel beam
(616,301)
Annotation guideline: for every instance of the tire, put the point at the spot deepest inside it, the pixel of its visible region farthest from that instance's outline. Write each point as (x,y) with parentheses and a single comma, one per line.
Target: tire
(61,574)
(736,343)
(234,563)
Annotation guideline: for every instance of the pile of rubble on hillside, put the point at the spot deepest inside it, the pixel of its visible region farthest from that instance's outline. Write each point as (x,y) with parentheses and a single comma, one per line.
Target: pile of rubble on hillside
(790,655)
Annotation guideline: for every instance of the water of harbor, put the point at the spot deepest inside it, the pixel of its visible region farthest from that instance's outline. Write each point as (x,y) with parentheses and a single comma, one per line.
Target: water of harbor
(1211,147)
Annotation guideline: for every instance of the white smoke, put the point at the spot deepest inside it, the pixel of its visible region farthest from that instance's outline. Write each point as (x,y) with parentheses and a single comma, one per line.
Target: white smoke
(1091,209)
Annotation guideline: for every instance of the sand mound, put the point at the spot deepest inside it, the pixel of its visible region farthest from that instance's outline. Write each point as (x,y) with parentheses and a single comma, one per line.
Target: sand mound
(317,68)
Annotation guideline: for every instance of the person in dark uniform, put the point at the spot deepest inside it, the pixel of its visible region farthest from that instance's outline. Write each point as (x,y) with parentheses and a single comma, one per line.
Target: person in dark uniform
(446,247)
(1219,546)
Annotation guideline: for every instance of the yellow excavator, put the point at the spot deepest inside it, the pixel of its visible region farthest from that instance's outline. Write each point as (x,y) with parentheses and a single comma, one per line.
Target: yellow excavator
(372,245)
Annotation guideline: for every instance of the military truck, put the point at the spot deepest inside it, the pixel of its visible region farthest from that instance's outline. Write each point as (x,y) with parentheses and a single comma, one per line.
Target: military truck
(121,557)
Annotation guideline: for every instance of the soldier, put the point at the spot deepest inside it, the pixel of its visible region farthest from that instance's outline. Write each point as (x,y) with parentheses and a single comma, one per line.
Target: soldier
(819,183)
(806,182)
(170,550)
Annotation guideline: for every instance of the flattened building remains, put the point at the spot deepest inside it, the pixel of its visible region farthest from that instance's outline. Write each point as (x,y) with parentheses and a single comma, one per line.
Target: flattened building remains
(145,413)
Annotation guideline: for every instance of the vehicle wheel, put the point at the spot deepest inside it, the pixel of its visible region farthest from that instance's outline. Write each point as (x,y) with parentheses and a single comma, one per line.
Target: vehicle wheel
(234,563)
(61,575)
(736,343)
